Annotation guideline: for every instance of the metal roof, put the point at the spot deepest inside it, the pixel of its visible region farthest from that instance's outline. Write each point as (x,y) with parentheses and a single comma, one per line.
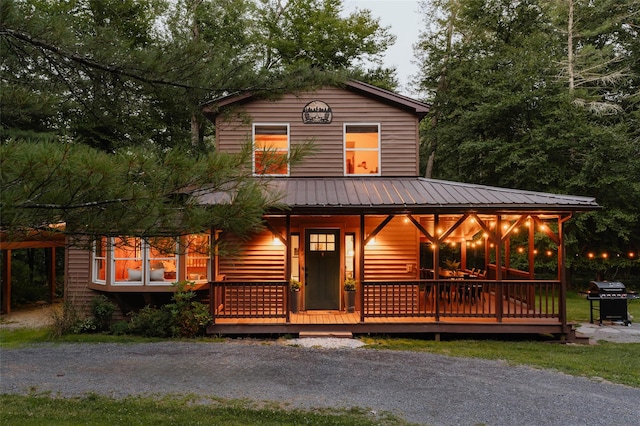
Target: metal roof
(381,194)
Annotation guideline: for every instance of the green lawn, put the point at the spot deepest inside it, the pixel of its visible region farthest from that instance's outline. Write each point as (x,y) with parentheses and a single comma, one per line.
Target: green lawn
(175,410)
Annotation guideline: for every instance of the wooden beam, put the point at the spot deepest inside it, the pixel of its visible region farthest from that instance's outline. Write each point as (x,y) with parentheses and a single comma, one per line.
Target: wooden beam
(421,229)
(378,229)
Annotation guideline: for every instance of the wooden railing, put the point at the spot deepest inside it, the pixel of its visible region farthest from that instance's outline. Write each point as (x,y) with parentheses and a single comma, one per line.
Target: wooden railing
(461,298)
(230,299)
(389,299)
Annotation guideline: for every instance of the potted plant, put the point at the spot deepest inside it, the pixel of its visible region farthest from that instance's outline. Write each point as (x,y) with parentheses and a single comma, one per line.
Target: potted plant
(452,266)
(350,294)
(296,295)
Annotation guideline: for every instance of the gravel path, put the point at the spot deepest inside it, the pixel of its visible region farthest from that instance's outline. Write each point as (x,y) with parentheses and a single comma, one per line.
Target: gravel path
(420,387)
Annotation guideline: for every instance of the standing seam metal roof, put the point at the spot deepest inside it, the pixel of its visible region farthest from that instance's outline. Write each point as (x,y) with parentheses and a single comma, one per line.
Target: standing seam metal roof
(382,192)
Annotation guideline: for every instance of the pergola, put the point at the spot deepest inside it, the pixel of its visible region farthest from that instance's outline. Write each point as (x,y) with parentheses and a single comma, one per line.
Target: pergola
(27,240)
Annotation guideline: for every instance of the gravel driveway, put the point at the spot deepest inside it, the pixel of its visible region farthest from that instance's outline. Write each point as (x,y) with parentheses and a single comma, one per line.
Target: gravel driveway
(419,387)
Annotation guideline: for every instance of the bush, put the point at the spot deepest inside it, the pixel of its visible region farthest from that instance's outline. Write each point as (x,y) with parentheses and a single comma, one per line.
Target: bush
(119,328)
(184,317)
(102,310)
(65,320)
(151,322)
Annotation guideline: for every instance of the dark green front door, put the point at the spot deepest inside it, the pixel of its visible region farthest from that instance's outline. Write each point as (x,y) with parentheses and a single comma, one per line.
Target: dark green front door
(322,269)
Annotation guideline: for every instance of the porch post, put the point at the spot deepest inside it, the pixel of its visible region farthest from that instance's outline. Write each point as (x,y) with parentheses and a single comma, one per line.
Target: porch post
(52,275)
(436,263)
(6,281)
(532,247)
(287,268)
(500,290)
(562,275)
(361,267)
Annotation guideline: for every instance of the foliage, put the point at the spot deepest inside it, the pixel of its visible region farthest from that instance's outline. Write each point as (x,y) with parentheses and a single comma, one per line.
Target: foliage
(166,410)
(452,265)
(294,285)
(102,310)
(151,322)
(184,317)
(65,320)
(349,284)
(522,99)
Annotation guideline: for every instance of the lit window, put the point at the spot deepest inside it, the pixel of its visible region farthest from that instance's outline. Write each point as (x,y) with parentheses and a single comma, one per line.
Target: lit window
(362,149)
(322,242)
(100,261)
(197,257)
(271,149)
(162,260)
(127,260)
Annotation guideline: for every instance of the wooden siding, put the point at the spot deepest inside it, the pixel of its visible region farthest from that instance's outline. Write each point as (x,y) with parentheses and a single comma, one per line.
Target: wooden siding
(395,246)
(256,260)
(77,278)
(399,131)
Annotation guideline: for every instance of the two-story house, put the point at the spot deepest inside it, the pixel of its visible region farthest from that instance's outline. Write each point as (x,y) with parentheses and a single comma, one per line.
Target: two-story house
(428,256)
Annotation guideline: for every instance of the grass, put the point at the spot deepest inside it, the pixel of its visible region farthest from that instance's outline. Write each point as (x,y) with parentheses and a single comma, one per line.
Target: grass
(616,362)
(170,410)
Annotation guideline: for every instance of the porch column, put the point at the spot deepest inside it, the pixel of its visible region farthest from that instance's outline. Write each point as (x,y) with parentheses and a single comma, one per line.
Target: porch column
(6,281)
(500,290)
(436,263)
(562,275)
(532,247)
(287,268)
(52,275)
(361,267)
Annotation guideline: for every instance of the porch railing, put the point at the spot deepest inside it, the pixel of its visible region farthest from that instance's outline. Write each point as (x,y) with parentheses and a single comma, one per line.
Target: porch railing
(461,298)
(418,298)
(231,299)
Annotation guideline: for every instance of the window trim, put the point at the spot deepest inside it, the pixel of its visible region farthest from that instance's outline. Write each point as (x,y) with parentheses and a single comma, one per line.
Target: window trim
(253,152)
(344,149)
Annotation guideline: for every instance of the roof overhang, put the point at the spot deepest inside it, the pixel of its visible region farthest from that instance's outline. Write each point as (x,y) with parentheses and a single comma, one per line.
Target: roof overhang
(407,195)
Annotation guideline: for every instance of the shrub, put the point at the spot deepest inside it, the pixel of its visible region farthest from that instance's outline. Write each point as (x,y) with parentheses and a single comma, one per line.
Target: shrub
(66,319)
(119,328)
(189,317)
(151,322)
(102,310)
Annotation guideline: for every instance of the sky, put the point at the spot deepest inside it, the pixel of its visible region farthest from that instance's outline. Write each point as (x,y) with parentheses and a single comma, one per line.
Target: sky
(405,21)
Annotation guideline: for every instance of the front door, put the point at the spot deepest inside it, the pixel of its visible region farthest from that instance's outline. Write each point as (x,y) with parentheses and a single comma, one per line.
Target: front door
(322,269)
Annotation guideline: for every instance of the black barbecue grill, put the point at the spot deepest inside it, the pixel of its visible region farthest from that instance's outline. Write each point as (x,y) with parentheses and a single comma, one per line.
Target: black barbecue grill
(613,299)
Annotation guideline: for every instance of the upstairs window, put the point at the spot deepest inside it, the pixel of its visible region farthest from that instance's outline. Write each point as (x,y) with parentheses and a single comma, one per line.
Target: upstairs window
(362,149)
(271,149)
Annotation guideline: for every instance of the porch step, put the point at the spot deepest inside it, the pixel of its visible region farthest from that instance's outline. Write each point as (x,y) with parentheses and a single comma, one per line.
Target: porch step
(339,334)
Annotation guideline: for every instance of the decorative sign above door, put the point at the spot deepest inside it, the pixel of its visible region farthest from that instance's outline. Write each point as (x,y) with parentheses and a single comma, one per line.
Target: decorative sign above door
(316,112)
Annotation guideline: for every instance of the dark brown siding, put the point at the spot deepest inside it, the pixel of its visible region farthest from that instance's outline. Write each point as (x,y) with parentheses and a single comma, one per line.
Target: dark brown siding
(399,131)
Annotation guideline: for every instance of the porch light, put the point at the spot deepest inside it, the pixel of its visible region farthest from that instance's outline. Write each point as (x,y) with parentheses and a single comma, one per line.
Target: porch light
(632,254)
(605,255)
(590,255)
(276,241)
(520,250)
(372,241)
(549,252)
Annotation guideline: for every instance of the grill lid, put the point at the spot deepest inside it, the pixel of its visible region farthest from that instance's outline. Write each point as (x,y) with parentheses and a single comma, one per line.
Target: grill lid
(606,287)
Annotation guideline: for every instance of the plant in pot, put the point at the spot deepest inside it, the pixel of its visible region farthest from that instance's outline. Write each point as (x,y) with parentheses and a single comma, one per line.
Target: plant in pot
(296,295)
(350,294)
(452,266)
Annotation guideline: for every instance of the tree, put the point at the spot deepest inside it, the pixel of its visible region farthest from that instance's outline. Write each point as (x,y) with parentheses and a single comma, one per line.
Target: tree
(510,111)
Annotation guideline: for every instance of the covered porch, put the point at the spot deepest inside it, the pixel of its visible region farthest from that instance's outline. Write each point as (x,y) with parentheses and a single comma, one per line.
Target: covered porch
(427,256)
